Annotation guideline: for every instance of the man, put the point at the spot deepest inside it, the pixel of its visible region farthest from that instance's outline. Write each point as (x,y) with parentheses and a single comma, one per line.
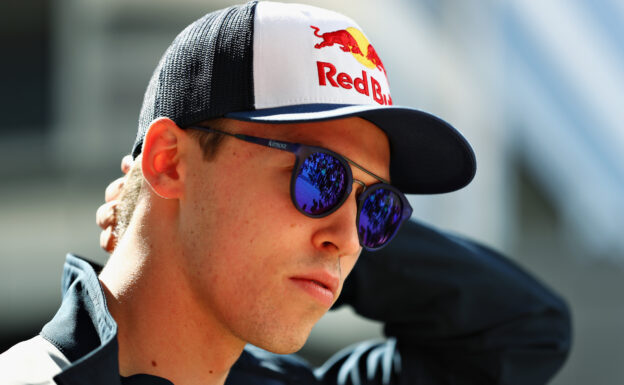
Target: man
(268,155)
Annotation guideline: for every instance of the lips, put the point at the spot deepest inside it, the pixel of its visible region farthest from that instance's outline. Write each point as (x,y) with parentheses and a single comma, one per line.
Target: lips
(321,285)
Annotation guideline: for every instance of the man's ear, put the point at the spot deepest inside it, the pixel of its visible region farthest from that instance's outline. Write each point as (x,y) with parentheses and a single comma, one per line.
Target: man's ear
(163,146)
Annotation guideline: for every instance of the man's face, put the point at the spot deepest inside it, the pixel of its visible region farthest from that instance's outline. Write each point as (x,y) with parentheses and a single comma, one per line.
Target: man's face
(252,258)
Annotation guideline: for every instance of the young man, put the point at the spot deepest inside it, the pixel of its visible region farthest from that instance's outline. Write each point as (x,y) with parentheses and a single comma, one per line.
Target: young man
(268,155)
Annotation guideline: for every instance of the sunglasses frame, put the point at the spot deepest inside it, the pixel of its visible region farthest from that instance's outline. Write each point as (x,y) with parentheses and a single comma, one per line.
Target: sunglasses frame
(406,212)
(302,152)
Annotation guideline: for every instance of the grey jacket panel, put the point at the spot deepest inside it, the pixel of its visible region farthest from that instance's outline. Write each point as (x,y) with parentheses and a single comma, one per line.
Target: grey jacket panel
(32,362)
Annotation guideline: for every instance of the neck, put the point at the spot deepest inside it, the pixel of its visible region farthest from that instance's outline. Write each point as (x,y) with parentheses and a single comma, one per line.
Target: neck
(162,330)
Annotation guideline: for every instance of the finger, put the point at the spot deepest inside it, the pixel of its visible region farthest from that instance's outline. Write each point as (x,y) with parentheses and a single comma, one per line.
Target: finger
(108,240)
(105,215)
(113,190)
(126,163)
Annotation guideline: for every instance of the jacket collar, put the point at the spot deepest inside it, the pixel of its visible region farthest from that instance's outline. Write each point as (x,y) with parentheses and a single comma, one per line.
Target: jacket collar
(86,333)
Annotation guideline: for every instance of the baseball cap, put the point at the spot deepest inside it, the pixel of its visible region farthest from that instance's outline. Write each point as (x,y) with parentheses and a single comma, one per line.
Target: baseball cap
(271,62)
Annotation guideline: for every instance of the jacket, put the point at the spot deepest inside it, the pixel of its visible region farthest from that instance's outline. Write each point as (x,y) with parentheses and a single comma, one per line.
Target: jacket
(454,312)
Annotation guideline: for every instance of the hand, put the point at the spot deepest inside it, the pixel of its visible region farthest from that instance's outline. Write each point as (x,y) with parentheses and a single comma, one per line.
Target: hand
(105,214)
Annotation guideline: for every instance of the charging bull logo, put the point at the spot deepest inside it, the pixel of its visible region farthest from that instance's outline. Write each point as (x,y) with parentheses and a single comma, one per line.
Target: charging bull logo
(352,41)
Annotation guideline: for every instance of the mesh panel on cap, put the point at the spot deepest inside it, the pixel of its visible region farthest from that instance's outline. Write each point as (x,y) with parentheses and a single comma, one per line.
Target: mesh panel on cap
(205,73)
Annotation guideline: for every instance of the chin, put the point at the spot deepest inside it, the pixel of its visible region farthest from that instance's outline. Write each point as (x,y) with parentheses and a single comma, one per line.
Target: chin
(282,329)
(289,341)
(284,347)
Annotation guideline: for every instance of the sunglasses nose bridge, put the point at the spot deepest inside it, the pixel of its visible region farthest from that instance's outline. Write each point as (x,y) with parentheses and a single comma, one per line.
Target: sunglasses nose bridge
(361,188)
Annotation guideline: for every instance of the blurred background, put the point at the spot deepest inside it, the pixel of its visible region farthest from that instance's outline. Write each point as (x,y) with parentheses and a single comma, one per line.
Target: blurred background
(537,87)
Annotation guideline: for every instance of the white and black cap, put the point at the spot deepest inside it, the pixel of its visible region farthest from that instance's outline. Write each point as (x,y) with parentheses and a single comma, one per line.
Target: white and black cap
(270,62)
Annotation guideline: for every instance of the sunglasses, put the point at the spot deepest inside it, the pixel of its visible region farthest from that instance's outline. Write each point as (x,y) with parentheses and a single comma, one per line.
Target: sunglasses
(321,182)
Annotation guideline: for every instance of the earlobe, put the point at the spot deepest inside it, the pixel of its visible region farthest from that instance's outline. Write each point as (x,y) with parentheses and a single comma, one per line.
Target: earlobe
(161,158)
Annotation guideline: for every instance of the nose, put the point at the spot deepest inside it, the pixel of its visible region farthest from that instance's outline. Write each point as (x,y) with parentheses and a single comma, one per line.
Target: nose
(337,232)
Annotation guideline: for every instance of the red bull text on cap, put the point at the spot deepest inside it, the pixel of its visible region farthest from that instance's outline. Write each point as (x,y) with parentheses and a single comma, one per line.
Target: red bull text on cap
(352,41)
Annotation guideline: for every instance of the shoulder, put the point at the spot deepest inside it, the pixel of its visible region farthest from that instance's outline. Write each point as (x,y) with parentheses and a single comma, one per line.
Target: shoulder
(34,361)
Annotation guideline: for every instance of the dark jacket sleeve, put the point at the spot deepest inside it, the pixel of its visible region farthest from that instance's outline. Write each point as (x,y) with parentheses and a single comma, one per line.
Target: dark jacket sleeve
(455,312)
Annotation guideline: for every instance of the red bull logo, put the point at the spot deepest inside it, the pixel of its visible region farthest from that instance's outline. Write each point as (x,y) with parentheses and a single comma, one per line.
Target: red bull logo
(353,41)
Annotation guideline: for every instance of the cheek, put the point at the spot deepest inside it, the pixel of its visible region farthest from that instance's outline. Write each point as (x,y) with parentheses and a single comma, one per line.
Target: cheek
(246,238)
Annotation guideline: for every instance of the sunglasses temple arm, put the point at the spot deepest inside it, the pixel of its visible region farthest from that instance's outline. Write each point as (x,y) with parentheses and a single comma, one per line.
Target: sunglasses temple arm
(284,146)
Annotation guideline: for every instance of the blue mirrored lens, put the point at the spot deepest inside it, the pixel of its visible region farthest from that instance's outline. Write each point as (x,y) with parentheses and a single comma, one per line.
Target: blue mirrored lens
(320,184)
(380,217)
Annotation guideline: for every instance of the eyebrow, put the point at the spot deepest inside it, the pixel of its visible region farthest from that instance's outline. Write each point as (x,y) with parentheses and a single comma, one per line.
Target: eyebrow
(284,146)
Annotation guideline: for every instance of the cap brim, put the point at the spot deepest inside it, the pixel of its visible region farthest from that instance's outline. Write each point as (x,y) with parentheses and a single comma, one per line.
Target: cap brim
(428,155)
